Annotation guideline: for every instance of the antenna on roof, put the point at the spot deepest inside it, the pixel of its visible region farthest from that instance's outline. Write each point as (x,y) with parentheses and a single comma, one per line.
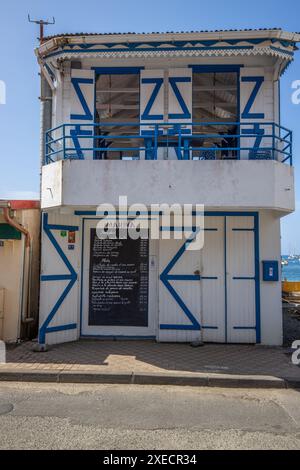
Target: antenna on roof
(41,23)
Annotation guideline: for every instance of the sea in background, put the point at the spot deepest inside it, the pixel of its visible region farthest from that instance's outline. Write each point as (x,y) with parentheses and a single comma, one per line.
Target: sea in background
(291,271)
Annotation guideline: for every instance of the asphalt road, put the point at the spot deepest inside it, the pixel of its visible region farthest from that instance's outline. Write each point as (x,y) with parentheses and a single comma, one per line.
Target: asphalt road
(64,416)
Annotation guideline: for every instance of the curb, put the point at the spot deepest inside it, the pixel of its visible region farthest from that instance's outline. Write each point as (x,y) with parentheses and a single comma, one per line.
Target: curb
(140,378)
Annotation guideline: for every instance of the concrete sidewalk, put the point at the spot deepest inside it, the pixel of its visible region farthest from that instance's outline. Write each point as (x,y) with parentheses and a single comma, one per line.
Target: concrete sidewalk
(152,363)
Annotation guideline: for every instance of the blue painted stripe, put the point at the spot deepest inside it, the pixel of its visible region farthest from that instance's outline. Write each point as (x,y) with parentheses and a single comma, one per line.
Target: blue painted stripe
(257,278)
(205,213)
(177,229)
(188,229)
(244,327)
(225,277)
(117,70)
(71,228)
(216,68)
(76,82)
(104,213)
(118,218)
(70,326)
(56,277)
(243,229)
(258,81)
(247,278)
(119,337)
(157,82)
(209,277)
(185,111)
(168,326)
(204,327)
(216,213)
(183,277)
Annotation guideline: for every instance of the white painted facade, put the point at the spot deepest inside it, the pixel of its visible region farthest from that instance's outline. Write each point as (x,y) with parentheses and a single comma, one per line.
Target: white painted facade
(217,294)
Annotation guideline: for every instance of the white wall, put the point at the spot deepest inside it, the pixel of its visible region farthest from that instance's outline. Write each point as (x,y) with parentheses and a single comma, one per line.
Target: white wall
(256,184)
(270,292)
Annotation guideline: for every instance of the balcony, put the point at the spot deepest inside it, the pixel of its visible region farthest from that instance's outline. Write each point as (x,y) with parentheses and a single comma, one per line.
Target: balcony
(241,169)
(194,141)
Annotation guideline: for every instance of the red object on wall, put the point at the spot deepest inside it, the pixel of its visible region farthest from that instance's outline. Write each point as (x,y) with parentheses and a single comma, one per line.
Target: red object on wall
(20,204)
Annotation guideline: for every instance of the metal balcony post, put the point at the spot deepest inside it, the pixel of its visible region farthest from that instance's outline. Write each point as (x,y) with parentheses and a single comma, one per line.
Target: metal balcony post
(155,141)
(186,149)
(46,157)
(64,142)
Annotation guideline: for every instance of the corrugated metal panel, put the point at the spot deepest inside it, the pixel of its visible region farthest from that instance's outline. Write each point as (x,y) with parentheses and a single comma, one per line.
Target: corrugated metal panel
(46,38)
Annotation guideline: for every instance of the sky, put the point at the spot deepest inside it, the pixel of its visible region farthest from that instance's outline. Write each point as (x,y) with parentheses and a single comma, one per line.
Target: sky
(20,116)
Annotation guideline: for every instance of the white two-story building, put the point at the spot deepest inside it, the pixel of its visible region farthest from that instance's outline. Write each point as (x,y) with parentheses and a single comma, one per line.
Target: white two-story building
(164,118)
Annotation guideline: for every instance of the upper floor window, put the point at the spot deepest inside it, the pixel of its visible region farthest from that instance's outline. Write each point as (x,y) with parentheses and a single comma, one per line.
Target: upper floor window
(117,98)
(215,100)
(215,97)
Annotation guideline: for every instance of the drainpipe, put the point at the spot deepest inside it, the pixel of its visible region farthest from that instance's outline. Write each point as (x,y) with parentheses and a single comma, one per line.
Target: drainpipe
(27,262)
(13,223)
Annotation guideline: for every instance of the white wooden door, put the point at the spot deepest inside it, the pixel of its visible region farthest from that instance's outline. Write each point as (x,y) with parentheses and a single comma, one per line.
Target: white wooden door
(213,280)
(240,267)
(179,292)
(215,288)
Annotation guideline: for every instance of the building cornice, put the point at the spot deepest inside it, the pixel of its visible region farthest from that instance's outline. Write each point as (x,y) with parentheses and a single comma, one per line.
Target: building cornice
(132,41)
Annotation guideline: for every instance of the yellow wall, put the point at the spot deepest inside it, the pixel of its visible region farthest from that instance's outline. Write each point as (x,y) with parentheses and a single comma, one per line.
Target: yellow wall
(11,273)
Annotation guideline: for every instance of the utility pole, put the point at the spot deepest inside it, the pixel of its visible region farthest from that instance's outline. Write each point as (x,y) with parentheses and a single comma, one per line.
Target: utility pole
(41,23)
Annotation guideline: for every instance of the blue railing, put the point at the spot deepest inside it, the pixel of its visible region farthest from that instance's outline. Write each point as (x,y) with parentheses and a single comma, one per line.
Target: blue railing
(192,141)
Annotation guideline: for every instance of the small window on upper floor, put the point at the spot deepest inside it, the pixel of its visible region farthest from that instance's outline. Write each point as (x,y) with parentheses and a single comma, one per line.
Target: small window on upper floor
(118,98)
(215,97)
(117,101)
(215,100)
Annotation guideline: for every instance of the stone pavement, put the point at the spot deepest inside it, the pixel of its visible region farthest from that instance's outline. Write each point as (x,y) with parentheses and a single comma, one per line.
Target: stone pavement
(129,358)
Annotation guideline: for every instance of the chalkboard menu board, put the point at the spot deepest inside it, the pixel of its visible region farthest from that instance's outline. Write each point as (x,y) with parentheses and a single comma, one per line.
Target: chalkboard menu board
(118,281)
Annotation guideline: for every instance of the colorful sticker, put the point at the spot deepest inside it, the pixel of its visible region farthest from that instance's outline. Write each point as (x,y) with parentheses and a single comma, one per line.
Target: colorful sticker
(71,237)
